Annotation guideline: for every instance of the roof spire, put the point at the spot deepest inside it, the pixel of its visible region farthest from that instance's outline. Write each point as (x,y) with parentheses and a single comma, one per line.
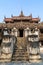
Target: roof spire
(21,14)
(31,15)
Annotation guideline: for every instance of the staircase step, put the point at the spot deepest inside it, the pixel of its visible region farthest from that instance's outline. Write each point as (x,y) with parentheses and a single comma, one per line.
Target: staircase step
(21,56)
(19,50)
(20,53)
(20,59)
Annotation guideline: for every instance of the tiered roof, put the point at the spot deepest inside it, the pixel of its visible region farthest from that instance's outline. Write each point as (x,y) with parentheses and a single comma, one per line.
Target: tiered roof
(21,17)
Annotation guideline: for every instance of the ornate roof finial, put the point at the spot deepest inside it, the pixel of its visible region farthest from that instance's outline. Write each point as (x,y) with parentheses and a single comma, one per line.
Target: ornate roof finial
(38,18)
(21,14)
(11,15)
(4,17)
(31,14)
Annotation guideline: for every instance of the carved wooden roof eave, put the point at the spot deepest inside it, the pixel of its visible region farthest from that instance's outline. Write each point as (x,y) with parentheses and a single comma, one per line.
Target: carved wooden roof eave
(35,19)
(24,25)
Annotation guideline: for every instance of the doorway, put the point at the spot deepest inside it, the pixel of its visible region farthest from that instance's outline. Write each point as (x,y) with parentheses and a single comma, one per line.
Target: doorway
(21,32)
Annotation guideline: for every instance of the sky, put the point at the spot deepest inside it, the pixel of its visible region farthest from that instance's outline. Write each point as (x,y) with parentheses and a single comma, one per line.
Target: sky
(14,7)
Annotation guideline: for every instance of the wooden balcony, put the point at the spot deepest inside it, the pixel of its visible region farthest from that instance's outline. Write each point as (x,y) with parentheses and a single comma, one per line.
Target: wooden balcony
(41,36)
(0,35)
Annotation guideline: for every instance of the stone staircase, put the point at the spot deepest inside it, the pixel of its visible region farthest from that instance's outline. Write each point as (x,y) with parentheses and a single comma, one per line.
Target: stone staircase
(20,53)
